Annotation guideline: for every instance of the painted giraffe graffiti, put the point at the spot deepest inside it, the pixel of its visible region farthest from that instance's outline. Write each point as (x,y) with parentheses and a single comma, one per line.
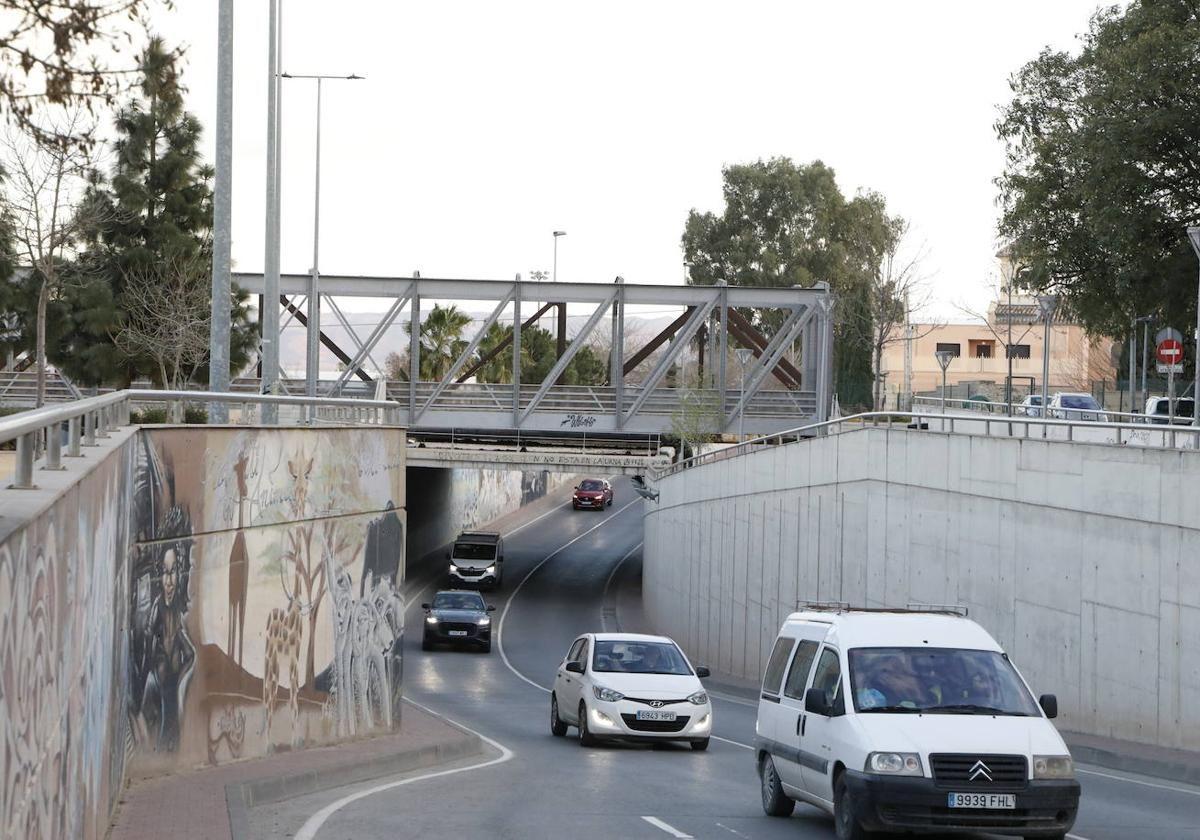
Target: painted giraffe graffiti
(239,568)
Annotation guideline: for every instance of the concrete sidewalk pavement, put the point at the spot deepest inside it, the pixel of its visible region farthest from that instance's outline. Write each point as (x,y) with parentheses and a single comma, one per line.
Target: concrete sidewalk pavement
(211,804)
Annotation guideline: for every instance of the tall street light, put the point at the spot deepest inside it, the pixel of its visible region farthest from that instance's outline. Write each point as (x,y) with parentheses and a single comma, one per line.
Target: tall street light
(561,341)
(944,358)
(1194,237)
(1047,304)
(554,276)
(743,355)
(312,369)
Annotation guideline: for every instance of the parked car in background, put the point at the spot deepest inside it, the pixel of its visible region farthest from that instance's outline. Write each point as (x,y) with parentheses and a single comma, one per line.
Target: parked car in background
(592,494)
(1158,411)
(1031,406)
(1070,406)
(458,617)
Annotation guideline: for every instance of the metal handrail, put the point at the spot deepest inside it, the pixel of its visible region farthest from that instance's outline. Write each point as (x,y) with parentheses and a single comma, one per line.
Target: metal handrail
(1001,406)
(918,422)
(90,418)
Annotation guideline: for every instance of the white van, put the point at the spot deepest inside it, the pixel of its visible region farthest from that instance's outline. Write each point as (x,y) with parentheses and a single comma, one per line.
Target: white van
(908,720)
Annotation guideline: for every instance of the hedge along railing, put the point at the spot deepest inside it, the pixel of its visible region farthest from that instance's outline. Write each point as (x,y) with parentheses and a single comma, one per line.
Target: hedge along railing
(91,418)
(1118,434)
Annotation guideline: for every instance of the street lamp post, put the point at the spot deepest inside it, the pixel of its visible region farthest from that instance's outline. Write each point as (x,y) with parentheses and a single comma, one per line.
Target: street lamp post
(1047,304)
(312,369)
(1194,237)
(743,354)
(561,341)
(554,276)
(944,358)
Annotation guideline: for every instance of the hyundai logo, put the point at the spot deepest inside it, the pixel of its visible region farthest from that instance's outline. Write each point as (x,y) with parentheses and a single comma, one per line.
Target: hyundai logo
(658,704)
(978,771)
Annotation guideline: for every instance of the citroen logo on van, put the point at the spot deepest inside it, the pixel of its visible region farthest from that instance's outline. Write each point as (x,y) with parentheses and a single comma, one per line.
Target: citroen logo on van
(978,771)
(658,704)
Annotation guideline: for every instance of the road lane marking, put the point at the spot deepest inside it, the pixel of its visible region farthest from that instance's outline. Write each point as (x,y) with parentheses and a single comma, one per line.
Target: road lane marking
(735,743)
(513,596)
(608,583)
(670,829)
(313,824)
(732,830)
(729,698)
(1138,782)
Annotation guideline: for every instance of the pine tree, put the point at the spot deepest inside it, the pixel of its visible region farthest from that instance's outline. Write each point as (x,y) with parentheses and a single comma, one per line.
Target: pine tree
(156,206)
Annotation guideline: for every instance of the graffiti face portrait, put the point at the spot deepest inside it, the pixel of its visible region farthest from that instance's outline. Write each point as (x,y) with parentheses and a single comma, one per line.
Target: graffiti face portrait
(170,576)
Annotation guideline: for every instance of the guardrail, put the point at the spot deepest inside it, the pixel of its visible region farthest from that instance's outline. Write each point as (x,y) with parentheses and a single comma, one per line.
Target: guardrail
(1072,431)
(989,407)
(91,418)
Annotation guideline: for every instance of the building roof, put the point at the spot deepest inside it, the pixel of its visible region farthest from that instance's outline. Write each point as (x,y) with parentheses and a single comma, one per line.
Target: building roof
(1025,313)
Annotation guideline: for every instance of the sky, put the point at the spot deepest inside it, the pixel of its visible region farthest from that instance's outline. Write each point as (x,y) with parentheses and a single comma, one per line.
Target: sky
(482,127)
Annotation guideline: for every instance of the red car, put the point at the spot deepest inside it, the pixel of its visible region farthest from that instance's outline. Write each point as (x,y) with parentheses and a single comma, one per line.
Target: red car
(592,494)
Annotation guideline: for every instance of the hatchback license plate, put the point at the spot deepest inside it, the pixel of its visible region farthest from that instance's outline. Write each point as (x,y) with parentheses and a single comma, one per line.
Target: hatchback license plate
(994,801)
(458,632)
(655,715)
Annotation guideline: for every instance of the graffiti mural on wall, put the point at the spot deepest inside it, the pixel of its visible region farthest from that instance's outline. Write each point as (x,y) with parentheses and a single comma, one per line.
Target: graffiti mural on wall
(62,723)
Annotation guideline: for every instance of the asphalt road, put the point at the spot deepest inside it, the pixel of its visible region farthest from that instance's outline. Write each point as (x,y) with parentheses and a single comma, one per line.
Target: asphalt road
(561,579)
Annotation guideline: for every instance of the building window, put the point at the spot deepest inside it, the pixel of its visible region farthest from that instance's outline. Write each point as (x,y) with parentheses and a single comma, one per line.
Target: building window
(1018,351)
(954,349)
(983,350)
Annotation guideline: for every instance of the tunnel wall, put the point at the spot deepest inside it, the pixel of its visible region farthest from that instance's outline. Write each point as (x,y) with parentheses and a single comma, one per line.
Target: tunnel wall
(201,595)
(1082,560)
(445,502)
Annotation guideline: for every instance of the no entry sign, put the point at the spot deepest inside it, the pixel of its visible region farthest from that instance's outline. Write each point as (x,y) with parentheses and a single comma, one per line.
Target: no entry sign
(1169,352)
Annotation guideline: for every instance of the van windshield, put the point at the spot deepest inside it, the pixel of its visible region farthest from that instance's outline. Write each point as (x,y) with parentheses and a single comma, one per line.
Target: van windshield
(937,681)
(474,551)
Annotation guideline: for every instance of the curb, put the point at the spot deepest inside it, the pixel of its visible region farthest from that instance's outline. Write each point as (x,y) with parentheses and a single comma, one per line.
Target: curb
(242,796)
(1181,770)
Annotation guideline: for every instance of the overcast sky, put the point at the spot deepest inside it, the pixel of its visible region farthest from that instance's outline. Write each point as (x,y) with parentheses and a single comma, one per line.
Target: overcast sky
(483,126)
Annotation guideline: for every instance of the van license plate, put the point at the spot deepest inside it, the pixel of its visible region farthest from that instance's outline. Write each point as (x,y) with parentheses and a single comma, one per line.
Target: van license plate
(653,715)
(995,801)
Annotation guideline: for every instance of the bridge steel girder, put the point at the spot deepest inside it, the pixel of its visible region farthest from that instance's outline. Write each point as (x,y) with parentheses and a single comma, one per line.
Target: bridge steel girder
(547,405)
(326,340)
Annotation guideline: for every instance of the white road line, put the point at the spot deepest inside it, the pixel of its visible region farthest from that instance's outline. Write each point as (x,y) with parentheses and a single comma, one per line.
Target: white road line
(729,698)
(313,824)
(1076,837)
(732,830)
(735,743)
(670,829)
(1138,782)
(528,575)
(608,583)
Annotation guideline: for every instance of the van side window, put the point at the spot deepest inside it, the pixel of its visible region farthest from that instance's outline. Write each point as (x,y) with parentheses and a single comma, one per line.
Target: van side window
(802,662)
(776,664)
(828,678)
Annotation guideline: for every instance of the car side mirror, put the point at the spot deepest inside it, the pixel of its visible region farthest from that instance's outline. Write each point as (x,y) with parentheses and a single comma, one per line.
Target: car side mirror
(424,606)
(576,487)
(814,701)
(702,671)
(1049,704)
(575,667)
(491,608)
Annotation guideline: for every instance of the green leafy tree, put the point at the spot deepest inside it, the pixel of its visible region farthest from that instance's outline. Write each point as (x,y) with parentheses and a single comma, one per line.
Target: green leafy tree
(539,352)
(499,368)
(441,340)
(156,208)
(1102,175)
(789,225)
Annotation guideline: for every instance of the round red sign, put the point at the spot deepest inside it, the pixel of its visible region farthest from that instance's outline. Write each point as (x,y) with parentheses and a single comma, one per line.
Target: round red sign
(1170,352)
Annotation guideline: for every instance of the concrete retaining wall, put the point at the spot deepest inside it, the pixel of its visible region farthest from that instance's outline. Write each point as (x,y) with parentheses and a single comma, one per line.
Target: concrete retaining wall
(198,595)
(1083,560)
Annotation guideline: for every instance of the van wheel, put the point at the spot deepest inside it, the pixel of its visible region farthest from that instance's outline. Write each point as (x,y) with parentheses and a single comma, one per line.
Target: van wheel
(775,802)
(844,817)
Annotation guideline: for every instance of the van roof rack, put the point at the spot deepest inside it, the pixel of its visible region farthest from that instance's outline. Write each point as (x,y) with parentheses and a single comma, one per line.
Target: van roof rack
(844,606)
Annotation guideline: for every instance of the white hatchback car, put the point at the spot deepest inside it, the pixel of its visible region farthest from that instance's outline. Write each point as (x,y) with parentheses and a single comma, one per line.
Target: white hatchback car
(908,720)
(628,686)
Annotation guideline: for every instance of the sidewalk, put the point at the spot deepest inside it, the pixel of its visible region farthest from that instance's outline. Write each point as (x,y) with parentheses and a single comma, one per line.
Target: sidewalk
(211,804)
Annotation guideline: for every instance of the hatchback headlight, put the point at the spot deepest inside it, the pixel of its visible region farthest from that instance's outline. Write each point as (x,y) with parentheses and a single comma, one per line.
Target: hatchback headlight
(431,619)
(607,694)
(1053,767)
(895,764)
(698,699)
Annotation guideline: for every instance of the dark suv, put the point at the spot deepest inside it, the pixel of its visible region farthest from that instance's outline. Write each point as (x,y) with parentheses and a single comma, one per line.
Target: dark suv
(458,617)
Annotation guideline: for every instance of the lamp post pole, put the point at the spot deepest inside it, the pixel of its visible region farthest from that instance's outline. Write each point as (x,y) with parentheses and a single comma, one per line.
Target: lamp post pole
(944,358)
(743,354)
(1194,238)
(1047,303)
(312,370)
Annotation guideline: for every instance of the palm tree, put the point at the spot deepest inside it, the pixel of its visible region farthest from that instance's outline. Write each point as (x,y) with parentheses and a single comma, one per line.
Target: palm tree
(441,340)
(498,369)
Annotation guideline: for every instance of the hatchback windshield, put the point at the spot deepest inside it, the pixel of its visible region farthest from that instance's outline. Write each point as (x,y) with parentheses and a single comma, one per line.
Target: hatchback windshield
(1079,401)
(938,681)
(457,601)
(474,551)
(639,658)
(591,485)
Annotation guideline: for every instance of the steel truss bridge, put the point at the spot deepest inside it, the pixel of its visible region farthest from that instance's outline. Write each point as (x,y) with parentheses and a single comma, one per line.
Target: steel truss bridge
(777,394)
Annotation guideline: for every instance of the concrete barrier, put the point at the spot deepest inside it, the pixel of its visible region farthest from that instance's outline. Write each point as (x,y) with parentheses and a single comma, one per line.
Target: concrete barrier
(1083,560)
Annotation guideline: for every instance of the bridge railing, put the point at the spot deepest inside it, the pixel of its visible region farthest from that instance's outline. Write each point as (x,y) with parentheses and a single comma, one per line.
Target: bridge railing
(41,434)
(642,444)
(979,406)
(1070,431)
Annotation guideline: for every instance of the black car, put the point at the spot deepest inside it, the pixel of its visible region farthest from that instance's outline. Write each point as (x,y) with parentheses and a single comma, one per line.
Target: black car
(458,617)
